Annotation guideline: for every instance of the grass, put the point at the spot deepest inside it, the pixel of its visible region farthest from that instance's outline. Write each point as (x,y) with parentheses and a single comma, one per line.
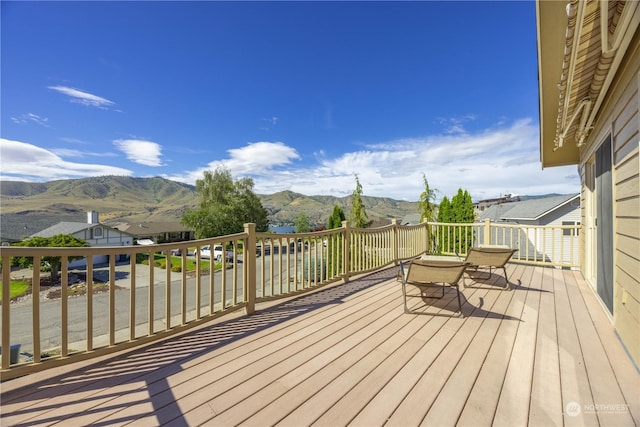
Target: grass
(17,288)
(191,262)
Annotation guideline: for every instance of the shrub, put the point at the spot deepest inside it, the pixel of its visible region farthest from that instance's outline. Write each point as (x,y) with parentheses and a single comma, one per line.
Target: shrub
(176,268)
(316,270)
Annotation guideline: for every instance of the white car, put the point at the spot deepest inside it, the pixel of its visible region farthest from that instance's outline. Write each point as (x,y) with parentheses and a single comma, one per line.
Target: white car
(218,250)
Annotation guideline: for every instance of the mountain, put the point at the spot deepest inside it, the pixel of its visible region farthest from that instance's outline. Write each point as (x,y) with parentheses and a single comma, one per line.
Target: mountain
(119,198)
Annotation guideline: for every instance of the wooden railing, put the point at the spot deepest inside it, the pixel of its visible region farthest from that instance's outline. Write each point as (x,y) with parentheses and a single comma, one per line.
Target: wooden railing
(556,246)
(132,302)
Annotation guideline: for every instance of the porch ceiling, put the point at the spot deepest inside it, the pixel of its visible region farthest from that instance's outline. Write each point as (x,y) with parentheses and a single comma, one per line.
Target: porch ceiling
(576,64)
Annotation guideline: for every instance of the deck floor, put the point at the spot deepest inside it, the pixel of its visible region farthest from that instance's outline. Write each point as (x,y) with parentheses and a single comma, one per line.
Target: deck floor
(541,354)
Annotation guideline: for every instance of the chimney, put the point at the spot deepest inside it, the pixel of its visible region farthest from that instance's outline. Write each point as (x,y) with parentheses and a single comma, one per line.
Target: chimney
(92,217)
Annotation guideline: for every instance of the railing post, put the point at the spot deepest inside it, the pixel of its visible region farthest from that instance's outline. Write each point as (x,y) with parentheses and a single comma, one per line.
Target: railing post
(487,232)
(427,233)
(345,251)
(6,296)
(394,241)
(249,262)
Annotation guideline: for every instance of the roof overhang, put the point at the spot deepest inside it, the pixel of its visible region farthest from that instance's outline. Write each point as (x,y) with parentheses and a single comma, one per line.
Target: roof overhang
(580,46)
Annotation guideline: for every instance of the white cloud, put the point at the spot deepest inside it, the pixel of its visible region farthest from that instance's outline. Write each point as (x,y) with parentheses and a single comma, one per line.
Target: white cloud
(487,164)
(23,161)
(146,153)
(84,98)
(31,118)
(67,152)
(254,159)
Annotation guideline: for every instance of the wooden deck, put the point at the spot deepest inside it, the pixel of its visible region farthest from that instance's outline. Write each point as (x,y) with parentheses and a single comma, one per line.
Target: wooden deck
(542,354)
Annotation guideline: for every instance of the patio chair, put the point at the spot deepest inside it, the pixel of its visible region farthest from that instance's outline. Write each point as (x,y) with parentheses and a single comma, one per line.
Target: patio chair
(424,274)
(490,257)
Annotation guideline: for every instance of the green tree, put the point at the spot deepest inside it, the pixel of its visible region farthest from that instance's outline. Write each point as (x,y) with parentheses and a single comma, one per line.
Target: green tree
(426,204)
(444,211)
(57,241)
(336,218)
(358,216)
(444,216)
(427,207)
(224,206)
(458,211)
(334,242)
(302,223)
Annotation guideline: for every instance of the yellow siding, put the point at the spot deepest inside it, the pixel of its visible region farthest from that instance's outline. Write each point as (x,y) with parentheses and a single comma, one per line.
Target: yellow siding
(620,116)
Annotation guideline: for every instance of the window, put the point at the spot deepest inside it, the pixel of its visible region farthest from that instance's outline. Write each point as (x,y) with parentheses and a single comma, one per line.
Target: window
(97,232)
(570,231)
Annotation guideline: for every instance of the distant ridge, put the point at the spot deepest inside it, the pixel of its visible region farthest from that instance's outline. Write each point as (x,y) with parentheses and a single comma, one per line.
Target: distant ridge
(120,198)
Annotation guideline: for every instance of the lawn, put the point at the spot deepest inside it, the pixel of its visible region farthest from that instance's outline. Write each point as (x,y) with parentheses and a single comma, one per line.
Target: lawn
(18,288)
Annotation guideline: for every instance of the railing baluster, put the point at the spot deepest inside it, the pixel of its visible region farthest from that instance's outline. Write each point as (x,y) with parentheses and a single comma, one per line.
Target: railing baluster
(151,294)
(132,298)
(112,300)
(35,301)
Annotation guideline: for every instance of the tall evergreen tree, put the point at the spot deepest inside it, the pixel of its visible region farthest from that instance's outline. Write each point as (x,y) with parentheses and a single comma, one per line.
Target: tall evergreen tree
(426,204)
(462,212)
(358,216)
(336,218)
(444,211)
(334,243)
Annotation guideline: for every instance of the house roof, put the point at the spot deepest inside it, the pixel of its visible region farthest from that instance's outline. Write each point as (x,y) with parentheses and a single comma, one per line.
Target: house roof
(411,219)
(16,227)
(530,209)
(67,227)
(150,228)
(576,64)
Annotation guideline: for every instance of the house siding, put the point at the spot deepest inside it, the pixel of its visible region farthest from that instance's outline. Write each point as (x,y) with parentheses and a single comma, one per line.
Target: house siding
(619,117)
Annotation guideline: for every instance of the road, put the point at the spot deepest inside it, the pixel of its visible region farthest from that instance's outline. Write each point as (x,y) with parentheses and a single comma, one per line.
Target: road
(50,309)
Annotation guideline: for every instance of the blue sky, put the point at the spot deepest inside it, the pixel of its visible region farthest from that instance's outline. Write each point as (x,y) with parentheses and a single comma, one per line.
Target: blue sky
(300,96)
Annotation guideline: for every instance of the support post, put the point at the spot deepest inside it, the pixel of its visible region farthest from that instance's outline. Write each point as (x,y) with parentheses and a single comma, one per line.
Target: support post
(249,263)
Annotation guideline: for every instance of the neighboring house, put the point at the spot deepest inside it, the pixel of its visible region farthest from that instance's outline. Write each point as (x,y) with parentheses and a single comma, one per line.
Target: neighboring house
(483,205)
(545,211)
(93,232)
(589,80)
(411,219)
(157,232)
(17,227)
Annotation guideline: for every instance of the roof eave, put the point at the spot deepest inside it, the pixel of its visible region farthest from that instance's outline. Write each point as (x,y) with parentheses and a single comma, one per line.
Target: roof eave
(551,21)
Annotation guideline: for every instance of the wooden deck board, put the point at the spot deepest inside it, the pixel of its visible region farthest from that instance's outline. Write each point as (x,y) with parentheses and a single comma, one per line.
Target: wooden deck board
(480,406)
(513,405)
(603,383)
(576,390)
(349,355)
(625,372)
(546,395)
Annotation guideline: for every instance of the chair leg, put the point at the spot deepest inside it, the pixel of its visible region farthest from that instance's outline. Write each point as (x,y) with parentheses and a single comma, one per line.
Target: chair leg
(506,279)
(404,296)
(459,302)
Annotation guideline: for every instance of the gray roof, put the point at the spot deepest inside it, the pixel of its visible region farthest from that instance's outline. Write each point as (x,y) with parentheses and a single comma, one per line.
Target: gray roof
(411,219)
(16,227)
(67,227)
(64,227)
(530,209)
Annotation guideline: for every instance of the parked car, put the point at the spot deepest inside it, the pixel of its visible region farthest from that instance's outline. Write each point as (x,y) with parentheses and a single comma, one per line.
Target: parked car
(218,251)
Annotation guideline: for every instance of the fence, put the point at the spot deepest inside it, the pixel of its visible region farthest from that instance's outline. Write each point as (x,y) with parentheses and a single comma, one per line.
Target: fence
(141,302)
